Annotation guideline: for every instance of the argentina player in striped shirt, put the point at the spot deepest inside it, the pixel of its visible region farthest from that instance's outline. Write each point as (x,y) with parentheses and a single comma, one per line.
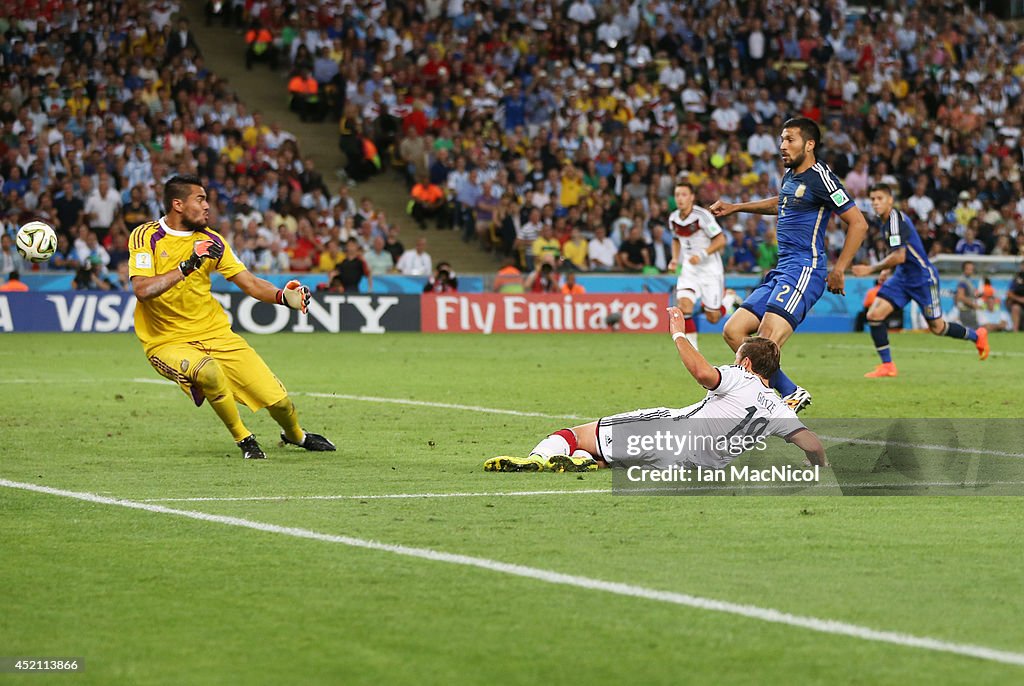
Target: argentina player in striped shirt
(810,193)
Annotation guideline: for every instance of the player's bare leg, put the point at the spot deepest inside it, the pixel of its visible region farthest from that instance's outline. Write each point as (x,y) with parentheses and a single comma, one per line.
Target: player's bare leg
(741,324)
(779,330)
(685,304)
(711,316)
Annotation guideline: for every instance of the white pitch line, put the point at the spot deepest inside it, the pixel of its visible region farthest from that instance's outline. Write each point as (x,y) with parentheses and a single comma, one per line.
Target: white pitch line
(379,496)
(406,401)
(945,351)
(684,488)
(445,406)
(764,614)
(920,446)
(38,381)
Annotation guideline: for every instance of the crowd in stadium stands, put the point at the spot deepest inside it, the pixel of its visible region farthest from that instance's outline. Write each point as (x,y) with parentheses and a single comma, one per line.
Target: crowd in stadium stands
(583,114)
(538,129)
(102,103)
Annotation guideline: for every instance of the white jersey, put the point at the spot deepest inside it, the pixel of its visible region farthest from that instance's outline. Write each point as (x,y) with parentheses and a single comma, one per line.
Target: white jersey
(693,233)
(734,415)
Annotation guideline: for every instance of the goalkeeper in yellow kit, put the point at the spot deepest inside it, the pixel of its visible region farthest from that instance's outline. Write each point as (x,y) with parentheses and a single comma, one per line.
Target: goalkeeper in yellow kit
(186,333)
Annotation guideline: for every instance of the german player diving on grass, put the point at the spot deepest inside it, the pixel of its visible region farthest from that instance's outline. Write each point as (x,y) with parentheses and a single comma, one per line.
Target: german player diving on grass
(738,413)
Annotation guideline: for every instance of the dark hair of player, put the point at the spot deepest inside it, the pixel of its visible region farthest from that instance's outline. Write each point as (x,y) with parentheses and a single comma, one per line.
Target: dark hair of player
(881,188)
(763,354)
(686,184)
(178,188)
(809,130)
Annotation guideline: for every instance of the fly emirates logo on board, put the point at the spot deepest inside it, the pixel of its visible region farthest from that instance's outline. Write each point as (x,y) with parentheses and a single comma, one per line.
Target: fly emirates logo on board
(495,313)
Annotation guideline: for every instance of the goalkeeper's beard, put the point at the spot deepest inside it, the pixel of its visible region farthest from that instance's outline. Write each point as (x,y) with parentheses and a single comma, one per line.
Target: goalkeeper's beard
(192,225)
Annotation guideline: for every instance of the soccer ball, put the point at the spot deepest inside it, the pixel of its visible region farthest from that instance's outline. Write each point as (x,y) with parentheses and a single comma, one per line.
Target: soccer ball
(36,241)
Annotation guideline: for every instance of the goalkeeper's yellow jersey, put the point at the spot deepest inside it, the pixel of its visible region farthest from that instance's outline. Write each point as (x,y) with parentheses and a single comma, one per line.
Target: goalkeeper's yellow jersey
(187,311)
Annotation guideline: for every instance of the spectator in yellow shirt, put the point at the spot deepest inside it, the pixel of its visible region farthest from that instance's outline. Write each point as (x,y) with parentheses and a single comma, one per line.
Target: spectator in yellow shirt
(964,211)
(79,102)
(232,150)
(575,250)
(546,245)
(331,257)
(252,134)
(572,186)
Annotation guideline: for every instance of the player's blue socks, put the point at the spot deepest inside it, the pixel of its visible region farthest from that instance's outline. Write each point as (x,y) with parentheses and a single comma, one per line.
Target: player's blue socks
(880,335)
(954,330)
(782,383)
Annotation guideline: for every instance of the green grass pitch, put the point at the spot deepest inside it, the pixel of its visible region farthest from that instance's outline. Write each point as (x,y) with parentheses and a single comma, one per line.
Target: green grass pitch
(151,598)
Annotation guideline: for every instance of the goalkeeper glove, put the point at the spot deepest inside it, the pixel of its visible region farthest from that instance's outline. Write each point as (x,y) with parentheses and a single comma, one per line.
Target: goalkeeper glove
(294,295)
(202,250)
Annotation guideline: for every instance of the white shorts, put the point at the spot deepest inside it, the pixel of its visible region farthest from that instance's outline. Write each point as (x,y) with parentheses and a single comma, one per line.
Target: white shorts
(632,423)
(708,288)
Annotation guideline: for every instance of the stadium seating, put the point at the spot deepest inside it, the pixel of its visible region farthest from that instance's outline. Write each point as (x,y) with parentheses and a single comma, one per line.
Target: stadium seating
(641,96)
(591,120)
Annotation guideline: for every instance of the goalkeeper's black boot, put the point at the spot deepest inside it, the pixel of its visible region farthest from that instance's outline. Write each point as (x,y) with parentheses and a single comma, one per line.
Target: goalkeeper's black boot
(314,442)
(251,449)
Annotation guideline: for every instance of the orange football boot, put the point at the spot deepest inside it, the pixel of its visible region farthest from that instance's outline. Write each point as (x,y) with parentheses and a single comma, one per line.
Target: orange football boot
(882,370)
(982,343)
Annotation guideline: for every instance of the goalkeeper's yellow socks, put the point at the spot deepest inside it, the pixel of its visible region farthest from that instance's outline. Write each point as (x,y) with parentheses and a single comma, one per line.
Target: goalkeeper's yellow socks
(214,384)
(284,414)
(227,409)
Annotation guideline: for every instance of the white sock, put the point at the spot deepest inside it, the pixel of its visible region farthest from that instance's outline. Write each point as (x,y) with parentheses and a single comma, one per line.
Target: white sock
(580,452)
(692,337)
(550,446)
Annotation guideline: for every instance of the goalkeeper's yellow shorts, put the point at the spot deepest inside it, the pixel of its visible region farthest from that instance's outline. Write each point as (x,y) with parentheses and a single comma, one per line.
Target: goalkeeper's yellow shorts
(248,376)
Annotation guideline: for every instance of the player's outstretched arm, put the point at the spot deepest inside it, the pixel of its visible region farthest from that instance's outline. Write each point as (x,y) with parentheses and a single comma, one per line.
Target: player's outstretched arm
(856,230)
(893,259)
(294,295)
(766,206)
(149,287)
(699,368)
(809,442)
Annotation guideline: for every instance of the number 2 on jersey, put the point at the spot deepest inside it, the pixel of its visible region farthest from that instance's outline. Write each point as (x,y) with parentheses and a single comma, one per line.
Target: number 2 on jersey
(786,288)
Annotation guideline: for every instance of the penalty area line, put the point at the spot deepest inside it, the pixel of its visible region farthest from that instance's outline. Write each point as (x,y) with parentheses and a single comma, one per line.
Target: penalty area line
(919,446)
(684,489)
(407,401)
(443,406)
(377,496)
(764,614)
